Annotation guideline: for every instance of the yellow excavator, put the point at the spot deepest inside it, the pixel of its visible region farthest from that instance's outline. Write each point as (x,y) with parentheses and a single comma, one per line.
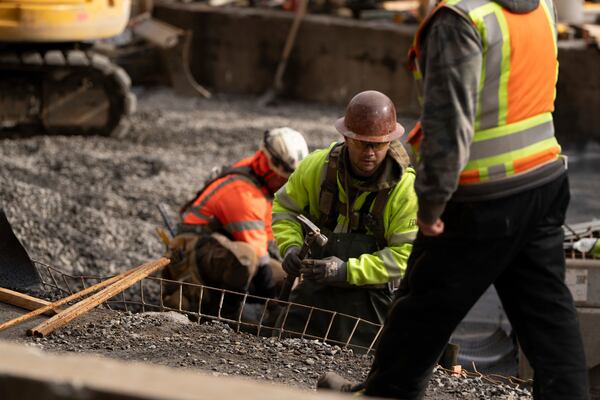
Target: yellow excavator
(51,81)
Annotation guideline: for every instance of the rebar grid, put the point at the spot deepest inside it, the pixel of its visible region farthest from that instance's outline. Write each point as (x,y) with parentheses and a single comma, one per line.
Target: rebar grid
(148,295)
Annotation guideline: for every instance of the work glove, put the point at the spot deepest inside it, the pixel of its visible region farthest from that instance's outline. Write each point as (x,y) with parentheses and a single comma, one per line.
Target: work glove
(327,270)
(585,245)
(291,262)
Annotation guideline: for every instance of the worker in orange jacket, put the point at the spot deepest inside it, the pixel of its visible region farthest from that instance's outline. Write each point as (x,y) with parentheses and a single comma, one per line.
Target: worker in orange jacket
(224,239)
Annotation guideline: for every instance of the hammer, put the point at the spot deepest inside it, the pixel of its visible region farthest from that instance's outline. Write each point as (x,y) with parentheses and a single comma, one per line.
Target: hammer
(313,235)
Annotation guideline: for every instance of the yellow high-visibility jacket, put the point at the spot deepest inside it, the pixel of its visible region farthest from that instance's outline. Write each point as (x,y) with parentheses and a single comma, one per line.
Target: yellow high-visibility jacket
(301,196)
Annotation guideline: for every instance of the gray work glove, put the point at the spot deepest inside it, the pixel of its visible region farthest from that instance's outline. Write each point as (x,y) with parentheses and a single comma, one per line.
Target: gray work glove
(291,262)
(327,270)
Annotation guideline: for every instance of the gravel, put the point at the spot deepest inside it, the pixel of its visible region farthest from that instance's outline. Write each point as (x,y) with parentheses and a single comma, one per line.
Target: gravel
(87,206)
(171,339)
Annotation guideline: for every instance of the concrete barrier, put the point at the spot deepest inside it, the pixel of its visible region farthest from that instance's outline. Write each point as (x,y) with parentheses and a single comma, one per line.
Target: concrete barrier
(29,374)
(236,50)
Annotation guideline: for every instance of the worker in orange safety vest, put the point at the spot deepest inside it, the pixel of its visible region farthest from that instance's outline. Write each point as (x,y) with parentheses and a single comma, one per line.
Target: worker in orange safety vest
(493,192)
(224,239)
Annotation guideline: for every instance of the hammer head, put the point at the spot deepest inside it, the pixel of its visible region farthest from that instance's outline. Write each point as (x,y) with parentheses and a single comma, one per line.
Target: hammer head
(313,231)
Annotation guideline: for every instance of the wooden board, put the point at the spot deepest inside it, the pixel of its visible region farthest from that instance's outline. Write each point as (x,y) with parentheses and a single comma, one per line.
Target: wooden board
(23,300)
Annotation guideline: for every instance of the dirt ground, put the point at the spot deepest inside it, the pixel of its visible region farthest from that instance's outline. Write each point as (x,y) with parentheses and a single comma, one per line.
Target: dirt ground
(88,206)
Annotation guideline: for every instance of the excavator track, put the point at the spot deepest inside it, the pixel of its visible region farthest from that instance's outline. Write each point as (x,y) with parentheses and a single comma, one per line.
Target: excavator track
(66,92)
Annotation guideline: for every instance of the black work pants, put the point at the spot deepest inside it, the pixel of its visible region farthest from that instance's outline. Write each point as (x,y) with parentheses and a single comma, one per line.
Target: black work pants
(514,243)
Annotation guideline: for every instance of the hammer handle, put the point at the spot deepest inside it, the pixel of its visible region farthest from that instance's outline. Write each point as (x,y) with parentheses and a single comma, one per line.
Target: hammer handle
(304,251)
(286,289)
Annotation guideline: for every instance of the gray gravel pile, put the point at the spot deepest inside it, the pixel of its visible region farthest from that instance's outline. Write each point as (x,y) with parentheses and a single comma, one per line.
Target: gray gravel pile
(87,206)
(171,339)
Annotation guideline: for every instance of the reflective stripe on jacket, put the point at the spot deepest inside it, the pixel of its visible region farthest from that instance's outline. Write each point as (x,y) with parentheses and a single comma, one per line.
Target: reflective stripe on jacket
(596,249)
(514,133)
(242,208)
(301,195)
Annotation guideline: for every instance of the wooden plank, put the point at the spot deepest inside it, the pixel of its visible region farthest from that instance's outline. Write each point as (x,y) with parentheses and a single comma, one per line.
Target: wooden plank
(24,301)
(67,299)
(61,319)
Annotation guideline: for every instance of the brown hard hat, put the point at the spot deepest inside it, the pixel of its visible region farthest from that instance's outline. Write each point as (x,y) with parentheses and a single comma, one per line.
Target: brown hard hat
(370,117)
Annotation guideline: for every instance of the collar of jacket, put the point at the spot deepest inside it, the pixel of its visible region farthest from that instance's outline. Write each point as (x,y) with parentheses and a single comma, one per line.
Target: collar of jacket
(259,164)
(519,6)
(387,175)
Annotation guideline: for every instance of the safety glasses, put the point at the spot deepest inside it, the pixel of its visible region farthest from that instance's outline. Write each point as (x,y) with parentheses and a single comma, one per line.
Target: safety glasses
(376,146)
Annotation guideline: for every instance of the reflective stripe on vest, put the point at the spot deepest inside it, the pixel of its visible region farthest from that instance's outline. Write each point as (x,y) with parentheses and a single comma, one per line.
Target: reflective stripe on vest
(196,209)
(513,125)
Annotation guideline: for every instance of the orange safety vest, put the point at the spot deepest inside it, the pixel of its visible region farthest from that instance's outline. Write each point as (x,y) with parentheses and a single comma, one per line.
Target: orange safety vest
(238,204)
(513,127)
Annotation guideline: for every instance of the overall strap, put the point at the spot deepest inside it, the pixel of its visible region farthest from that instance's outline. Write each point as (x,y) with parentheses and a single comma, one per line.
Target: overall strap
(328,198)
(375,217)
(359,219)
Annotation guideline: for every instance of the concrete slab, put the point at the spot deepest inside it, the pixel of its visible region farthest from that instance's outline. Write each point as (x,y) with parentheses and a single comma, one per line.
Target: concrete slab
(27,373)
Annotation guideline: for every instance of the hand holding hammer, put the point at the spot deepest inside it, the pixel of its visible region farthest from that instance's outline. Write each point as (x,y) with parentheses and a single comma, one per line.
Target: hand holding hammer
(313,236)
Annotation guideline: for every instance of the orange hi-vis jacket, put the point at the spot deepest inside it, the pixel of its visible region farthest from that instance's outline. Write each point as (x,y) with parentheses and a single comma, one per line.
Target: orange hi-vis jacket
(514,133)
(241,206)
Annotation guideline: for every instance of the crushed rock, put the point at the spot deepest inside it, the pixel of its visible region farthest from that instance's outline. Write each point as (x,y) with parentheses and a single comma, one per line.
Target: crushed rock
(88,206)
(171,339)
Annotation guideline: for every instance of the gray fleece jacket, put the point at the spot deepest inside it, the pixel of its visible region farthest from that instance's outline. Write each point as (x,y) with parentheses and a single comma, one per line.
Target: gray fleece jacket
(451,60)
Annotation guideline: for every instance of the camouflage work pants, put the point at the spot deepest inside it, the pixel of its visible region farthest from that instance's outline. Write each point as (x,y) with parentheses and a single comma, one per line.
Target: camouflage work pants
(215,262)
